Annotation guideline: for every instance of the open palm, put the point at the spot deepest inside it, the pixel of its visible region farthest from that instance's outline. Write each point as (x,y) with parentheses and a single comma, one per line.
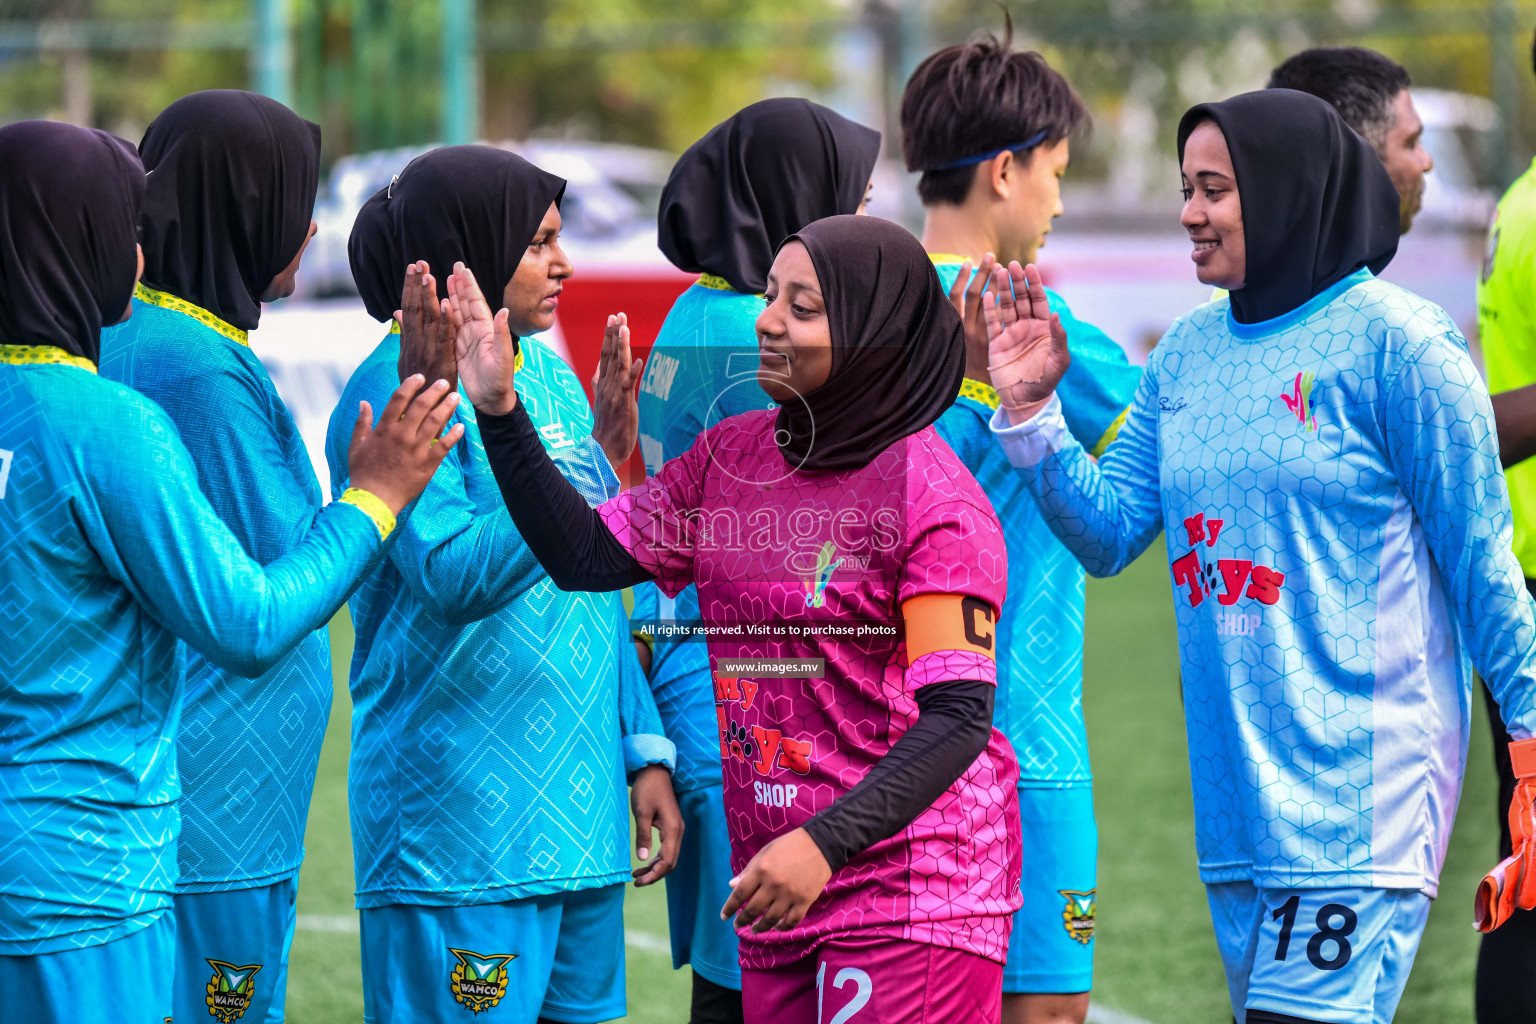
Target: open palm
(482,345)
(1027,346)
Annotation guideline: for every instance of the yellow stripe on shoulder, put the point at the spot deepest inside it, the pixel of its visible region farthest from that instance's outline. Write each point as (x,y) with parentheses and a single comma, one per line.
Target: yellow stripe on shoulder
(1109,434)
(41,355)
(165,300)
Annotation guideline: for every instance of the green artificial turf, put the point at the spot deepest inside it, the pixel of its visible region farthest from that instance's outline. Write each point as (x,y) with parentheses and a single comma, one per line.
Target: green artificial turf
(1156,957)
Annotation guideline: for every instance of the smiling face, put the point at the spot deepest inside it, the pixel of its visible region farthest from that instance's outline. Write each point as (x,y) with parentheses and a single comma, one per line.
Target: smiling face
(1213,212)
(794,337)
(533,295)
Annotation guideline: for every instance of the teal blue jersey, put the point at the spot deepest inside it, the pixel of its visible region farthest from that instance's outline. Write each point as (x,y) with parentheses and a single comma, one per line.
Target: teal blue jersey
(494,715)
(1040,633)
(702,369)
(111,554)
(1339,544)
(248,745)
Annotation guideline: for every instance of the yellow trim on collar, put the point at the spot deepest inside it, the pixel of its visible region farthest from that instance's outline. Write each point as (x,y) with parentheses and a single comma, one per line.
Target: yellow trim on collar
(719,284)
(165,300)
(37,355)
(1110,434)
(373,506)
(975,390)
(948,257)
(394,327)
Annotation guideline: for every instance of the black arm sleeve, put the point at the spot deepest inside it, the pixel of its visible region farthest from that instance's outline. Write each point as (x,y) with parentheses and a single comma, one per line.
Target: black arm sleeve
(566,535)
(954,722)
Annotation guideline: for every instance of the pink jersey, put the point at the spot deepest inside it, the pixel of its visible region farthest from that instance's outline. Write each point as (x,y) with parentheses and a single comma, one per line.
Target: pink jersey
(817,565)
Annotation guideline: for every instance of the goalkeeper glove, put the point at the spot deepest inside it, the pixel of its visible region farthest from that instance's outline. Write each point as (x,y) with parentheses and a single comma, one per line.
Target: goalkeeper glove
(1512,883)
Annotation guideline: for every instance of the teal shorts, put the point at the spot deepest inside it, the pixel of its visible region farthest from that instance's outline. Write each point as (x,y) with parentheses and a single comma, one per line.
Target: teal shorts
(1336,955)
(127,979)
(698,887)
(1051,948)
(560,957)
(232,948)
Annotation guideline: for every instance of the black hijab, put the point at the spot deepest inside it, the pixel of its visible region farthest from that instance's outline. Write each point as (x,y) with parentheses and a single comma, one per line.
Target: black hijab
(373,252)
(1317,203)
(472,204)
(232,180)
(756,178)
(898,348)
(69,219)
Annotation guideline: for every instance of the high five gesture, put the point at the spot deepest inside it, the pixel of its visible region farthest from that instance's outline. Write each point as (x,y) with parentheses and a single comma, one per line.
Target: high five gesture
(1028,347)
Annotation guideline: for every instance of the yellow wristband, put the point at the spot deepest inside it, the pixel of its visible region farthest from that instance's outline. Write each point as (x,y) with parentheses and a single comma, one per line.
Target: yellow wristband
(374,506)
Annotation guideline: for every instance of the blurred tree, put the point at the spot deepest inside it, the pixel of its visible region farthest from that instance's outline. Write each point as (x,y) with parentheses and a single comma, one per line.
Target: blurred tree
(1141,63)
(650,72)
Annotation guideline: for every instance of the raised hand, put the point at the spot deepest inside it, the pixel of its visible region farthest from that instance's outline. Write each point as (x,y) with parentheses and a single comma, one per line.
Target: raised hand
(1028,347)
(965,296)
(615,394)
(395,459)
(483,345)
(426,336)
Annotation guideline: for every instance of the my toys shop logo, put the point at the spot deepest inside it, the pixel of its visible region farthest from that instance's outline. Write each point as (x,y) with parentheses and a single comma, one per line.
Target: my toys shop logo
(766,750)
(1230,579)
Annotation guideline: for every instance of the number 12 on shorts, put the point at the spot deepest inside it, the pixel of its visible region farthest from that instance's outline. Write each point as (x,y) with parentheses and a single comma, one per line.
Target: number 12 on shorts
(1334,924)
(863,989)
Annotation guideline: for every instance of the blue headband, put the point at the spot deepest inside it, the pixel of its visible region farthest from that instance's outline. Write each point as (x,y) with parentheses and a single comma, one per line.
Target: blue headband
(970,161)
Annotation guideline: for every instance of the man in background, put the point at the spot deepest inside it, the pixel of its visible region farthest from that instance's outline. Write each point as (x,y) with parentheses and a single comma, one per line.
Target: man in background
(1370,92)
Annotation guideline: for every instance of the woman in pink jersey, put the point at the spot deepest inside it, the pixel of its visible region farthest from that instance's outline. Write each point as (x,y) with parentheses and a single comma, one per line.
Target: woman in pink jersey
(874,827)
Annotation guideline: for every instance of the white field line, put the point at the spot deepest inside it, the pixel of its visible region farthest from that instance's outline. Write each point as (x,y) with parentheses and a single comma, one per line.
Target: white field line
(649,942)
(1104,1015)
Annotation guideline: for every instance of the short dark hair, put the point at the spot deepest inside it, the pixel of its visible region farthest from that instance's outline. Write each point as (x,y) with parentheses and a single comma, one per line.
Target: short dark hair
(1360,84)
(969,99)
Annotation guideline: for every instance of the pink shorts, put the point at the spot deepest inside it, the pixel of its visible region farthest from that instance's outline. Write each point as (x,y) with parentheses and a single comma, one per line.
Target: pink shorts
(876,980)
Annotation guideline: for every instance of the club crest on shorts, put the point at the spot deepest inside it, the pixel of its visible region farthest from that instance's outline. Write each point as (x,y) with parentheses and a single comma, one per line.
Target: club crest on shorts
(230,990)
(1077,916)
(480,980)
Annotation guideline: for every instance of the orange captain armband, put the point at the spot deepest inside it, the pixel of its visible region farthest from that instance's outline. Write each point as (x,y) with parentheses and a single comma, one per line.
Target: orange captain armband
(949,622)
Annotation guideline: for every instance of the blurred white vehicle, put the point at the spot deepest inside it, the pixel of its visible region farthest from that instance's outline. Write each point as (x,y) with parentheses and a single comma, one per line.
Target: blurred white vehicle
(609,208)
(1461,132)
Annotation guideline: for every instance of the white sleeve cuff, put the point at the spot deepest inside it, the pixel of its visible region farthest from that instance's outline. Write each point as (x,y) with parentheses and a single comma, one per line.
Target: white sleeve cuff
(1030,442)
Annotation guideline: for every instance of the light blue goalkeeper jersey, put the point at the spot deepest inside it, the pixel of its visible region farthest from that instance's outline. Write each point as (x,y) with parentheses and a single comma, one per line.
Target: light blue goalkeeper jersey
(493,714)
(702,369)
(110,553)
(1339,539)
(1040,632)
(248,745)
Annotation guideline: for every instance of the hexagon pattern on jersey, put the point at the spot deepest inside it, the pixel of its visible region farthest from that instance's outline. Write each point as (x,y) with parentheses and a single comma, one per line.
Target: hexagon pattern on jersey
(912,522)
(1330,489)
(1040,632)
(702,369)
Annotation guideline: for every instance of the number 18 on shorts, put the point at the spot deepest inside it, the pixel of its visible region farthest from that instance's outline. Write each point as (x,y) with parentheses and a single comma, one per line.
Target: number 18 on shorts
(1336,955)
